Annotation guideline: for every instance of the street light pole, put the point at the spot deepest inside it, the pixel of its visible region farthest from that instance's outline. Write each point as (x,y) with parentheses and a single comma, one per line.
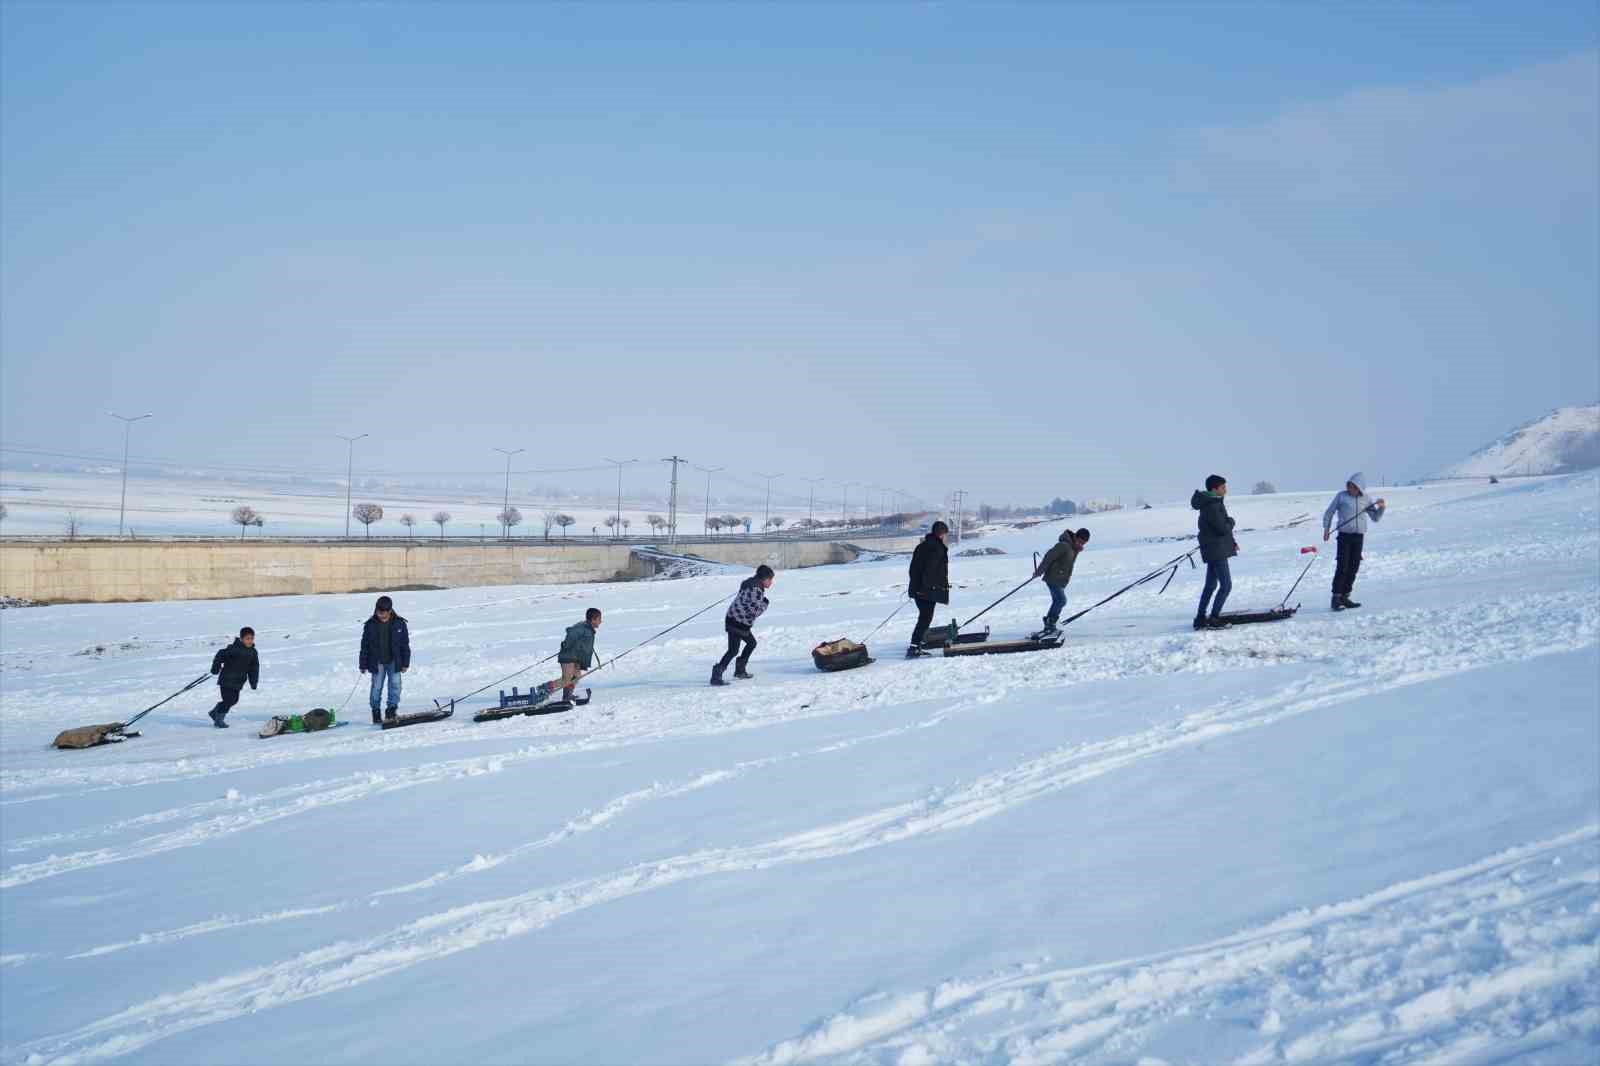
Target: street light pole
(505,508)
(349,466)
(845,506)
(619,464)
(708,471)
(811,506)
(767,522)
(127,432)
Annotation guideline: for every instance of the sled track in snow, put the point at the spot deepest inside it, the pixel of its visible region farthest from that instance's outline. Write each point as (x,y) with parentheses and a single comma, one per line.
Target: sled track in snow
(1400,969)
(353,962)
(1410,654)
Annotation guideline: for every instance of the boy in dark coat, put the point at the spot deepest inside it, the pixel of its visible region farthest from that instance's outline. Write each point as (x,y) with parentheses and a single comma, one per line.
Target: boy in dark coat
(1056,569)
(385,654)
(929,582)
(747,606)
(233,666)
(1217,546)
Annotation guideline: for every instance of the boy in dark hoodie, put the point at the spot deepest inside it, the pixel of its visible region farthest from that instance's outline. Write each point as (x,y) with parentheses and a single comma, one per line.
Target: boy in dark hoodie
(233,666)
(1056,569)
(1217,546)
(747,606)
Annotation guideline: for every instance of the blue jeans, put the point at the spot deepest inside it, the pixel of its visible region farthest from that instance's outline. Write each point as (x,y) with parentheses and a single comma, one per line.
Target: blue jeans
(380,673)
(1058,601)
(1218,580)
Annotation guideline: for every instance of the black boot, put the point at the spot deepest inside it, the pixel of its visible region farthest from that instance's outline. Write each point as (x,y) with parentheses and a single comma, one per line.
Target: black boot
(915,651)
(1200,622)
(1349,604)
(391,713)
(567,693)
(1338,603)
(219,719)
(1216,622)
(377,719)
(741,674)
(716,676)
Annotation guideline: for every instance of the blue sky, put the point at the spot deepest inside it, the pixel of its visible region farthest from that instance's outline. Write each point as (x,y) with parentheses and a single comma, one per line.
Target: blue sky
(1025,250)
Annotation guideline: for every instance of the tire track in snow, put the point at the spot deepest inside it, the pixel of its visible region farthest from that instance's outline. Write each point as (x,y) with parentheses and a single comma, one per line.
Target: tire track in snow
(1491,956)
(352,962)
(211,925)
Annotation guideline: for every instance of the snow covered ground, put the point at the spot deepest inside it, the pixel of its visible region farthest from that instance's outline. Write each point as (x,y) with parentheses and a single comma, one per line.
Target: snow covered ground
(1369,837)
(1562,441)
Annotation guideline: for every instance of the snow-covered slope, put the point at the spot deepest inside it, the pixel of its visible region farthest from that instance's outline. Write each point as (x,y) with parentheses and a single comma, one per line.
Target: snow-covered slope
(1369,837)
(1563,441)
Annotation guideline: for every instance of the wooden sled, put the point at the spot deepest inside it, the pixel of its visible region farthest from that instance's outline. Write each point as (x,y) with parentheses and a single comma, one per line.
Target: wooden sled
(494,714)
(1002,647)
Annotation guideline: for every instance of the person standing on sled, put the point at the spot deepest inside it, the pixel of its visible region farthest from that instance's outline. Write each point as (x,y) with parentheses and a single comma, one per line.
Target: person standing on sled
(385,654)
(1351,508)
(747,606)
(1217,546)
(233,666)
(1056,569)
(929,582)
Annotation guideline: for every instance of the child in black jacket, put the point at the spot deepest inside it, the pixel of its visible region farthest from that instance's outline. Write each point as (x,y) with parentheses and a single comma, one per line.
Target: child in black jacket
(233,666)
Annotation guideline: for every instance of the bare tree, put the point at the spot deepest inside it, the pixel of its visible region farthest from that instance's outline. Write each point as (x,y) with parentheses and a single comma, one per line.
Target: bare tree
(611,523)
(775,522)
(508,518)
(1264,488)
(73,525)
(626,523)
(564,520)
(714,524)
(3,512)
(366,514)
(261,520)
(655,522)
(244,516)
(440,518)
(551,519)
(408,520)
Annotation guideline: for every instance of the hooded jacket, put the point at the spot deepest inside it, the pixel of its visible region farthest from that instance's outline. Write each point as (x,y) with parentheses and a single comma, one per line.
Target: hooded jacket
(578,645)
(1216,527)
(749,604)
(236,664)
(1351,511)
(1057,564)
(399,644)
(930,571)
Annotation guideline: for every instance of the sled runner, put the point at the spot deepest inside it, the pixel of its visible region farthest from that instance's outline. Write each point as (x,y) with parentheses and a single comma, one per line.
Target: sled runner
(841,654)
(1004,647)
(525,706)
(1244,618)
(438,714)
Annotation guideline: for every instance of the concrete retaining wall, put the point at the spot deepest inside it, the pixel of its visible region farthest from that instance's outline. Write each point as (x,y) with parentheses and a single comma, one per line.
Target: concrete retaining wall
(119,571)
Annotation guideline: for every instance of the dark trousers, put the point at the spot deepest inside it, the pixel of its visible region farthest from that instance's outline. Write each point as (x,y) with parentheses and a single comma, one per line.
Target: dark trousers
(737,635)
(230,696)
(1349,561)
(1219,581)
(924,618)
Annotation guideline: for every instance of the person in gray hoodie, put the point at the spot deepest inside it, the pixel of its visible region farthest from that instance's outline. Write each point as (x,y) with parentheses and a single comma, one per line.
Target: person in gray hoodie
(1351,507)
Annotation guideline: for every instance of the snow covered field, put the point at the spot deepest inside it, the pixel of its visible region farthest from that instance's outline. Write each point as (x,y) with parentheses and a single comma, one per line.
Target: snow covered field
(1367,837)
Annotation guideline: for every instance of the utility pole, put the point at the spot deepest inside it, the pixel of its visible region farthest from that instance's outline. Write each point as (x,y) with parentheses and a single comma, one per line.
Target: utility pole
(961,498)
(708,471)
(767,522)
(505,508)
(619,464)
(349,465)
(811,507)
(127,431)
(672,504)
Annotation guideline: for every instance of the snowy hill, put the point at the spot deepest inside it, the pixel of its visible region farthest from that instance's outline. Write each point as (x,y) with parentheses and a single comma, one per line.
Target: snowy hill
(1563,441)
(1361,837)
